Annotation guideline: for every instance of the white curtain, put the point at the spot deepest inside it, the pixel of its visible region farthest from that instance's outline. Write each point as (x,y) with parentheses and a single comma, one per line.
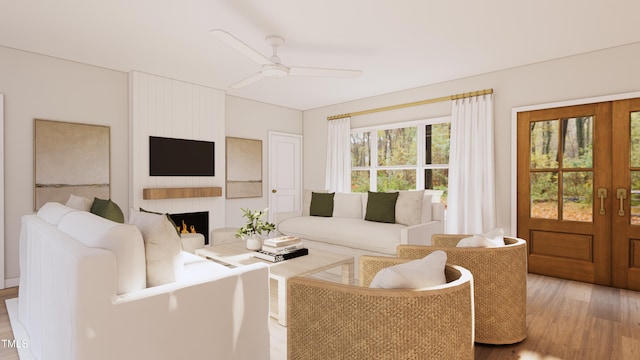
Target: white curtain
(471,198)
(338,172)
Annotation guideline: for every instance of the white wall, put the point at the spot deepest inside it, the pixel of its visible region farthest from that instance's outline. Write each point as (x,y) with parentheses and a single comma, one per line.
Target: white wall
(604,72)
(253,120)
(43,87)
(170,108)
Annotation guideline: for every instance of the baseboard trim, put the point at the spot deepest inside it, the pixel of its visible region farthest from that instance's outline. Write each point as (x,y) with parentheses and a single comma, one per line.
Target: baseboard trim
(13,282)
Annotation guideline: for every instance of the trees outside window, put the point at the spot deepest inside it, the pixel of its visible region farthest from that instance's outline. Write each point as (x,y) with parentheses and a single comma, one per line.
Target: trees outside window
(402,157)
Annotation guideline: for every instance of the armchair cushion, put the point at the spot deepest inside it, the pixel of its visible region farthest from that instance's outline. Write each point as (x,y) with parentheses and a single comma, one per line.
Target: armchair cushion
(492,238)
(415,274)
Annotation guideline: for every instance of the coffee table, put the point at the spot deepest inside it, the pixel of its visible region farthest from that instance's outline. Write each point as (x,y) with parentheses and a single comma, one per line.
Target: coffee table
(236,254)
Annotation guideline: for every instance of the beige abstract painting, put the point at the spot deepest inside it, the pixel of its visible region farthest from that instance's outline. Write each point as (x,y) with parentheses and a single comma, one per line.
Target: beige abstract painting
(70,158)
(244,168)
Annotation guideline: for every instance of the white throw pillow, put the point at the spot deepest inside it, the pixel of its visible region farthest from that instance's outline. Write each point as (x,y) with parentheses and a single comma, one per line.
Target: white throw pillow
(427,210)
(162,245)
(348,205)
(409,207)
(79,202)
(415,274)
(493,238)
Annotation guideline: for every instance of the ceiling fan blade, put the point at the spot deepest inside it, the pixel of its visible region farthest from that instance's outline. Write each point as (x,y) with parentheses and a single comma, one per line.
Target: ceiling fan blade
(241,47)
(248,81)
(321,72)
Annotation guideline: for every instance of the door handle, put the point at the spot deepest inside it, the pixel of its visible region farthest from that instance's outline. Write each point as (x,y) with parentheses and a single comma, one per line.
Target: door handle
(602,194)
(621,194)
(274,191)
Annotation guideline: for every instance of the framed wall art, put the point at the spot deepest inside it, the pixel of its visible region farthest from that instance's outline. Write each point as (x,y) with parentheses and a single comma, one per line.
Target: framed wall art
(244,168)
(70,158)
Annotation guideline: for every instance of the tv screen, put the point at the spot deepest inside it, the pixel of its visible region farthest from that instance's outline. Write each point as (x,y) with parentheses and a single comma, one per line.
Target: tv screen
(181,157)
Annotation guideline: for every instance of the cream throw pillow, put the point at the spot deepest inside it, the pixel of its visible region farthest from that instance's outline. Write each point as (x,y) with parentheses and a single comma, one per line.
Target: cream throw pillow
(348,205)
(79,202)
(493,238)
(409,207)
(415,274)
(162,245)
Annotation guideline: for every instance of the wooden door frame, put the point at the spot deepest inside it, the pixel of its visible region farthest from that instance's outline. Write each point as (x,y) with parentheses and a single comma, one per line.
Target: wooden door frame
(514,141)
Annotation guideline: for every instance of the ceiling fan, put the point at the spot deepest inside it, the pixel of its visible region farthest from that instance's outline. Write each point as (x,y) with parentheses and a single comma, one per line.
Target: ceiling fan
(272,66)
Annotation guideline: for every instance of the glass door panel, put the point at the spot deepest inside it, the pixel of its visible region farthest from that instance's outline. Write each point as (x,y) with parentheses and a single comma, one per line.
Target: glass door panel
(544,195)
(577,196)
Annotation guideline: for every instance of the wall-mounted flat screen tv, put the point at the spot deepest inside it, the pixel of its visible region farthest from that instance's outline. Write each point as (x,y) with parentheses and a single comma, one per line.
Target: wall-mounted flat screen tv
(181,157)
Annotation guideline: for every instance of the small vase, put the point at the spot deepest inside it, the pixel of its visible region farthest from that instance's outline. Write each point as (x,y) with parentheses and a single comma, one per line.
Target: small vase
(254,242)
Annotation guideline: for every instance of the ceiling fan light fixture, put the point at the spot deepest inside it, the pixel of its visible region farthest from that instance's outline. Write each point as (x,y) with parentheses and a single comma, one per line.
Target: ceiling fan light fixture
(274,70)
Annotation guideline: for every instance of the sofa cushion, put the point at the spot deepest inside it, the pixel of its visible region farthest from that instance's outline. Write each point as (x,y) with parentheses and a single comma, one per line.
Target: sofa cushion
(347,205)
(163,247)
(415,274)
(321,204)
(124,240)
(409,207)
(79,202)
(53,212)
(108,210)
(353,233)
(381,207)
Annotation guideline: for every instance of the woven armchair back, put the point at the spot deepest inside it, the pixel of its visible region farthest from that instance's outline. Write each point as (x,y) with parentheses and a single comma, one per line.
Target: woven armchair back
(335,321)
(500,284)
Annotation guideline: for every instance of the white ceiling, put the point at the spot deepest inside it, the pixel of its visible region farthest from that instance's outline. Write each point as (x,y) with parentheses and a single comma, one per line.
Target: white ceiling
(397,44)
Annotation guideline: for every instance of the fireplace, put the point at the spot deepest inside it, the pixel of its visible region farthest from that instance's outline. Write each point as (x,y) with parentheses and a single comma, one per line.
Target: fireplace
(197,222)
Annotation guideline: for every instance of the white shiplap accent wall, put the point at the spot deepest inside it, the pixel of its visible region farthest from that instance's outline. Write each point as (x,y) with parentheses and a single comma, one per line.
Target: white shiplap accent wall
(170,108)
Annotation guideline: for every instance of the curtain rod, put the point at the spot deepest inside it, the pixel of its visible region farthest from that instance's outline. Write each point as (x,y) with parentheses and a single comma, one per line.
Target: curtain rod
(415,103)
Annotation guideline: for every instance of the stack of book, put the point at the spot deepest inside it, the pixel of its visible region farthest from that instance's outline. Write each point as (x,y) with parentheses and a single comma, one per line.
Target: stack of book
(281,248)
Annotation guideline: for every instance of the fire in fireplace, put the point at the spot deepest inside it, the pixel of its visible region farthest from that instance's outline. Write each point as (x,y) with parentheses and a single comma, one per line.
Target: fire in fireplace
(195,222)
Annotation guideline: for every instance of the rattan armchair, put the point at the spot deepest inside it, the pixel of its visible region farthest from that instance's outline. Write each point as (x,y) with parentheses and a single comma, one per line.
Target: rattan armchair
(335,321)
(500,281)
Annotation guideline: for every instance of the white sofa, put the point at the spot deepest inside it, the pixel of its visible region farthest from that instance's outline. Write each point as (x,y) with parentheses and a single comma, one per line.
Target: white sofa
(83,295)
(347,231)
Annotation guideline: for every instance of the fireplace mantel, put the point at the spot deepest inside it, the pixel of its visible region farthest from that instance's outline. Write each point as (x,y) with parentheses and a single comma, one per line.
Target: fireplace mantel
(180,193)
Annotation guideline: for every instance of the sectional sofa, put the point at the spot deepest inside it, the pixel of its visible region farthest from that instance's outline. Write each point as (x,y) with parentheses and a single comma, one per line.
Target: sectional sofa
(85,294)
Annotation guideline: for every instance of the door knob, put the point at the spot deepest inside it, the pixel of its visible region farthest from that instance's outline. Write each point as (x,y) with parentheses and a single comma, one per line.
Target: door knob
(274,191)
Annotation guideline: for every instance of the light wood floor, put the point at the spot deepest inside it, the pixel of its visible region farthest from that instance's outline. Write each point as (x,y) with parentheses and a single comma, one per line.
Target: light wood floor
(565,320)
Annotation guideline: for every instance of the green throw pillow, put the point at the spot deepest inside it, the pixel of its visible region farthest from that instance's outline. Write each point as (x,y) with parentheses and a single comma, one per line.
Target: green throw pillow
(108,210)
(321,204)
(381,207)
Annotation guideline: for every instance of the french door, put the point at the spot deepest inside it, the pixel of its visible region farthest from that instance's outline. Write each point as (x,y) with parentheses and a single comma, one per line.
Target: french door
(579,191)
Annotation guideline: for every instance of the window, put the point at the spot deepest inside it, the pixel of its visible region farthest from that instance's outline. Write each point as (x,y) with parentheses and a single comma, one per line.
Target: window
(402,157)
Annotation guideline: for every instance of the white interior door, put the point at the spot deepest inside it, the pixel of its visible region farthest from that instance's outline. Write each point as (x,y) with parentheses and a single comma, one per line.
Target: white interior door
(285,173)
